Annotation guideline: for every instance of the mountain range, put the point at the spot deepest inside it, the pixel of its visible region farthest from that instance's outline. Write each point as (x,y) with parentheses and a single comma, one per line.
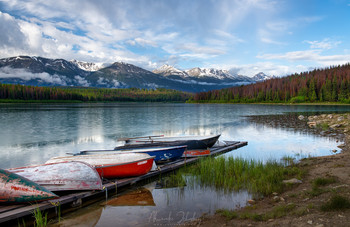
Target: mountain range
(41,71)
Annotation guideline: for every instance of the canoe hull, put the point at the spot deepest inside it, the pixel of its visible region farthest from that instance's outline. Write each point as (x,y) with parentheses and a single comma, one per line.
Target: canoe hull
(62,176)
(132,169)
(113,165)
(192,143)
(18,189)
(196,153)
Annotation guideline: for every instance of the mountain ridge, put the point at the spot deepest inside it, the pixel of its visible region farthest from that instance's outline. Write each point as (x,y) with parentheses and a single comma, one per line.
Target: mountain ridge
(41,71)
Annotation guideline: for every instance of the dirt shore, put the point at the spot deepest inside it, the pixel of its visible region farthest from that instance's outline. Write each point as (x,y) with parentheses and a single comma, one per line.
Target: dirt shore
(326,182)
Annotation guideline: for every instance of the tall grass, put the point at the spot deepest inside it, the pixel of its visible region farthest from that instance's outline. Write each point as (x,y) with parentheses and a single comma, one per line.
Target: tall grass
(237,173)
(40,218)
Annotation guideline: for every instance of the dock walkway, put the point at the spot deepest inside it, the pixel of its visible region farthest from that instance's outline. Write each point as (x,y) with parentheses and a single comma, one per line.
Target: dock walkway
(12,215)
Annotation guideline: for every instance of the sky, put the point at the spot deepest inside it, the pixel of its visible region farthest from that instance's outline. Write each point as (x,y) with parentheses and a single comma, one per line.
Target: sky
(277,37)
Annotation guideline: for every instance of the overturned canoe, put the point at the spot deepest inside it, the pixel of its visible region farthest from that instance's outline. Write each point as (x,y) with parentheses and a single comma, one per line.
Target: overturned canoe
(114,165)
(162,154)
(192,142)
(17,189)
(62,176)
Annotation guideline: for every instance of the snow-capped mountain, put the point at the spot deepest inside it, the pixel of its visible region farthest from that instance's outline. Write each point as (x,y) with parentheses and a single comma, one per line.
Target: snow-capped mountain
(167,70)
(89,66)
(40,71)
(214,73)
(259,77)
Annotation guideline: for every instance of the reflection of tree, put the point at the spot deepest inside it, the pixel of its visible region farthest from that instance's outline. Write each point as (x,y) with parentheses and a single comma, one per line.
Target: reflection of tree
(291,123)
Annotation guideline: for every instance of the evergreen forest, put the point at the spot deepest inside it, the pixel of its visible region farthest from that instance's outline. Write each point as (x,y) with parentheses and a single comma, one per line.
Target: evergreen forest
(15,93)
(330,84)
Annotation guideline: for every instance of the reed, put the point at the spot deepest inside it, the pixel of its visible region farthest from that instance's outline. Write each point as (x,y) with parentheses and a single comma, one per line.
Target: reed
(237,173)
(40,218)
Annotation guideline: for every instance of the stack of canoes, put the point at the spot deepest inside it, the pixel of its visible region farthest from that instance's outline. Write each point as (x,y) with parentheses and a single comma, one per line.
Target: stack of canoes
(196,145)
(84,170)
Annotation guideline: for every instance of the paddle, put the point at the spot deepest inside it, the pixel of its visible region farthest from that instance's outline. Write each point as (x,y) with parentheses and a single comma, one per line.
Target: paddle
(125,139)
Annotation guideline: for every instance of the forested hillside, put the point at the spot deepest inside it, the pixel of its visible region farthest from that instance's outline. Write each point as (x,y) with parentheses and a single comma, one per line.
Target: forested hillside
(320,85)
(28,93)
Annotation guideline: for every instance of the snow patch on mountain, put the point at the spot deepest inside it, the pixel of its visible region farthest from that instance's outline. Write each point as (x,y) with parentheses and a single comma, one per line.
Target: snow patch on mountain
(89,66)
(167,70)
(259,77)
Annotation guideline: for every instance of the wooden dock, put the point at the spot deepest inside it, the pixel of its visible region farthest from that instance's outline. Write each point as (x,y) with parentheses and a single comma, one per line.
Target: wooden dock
(12,215)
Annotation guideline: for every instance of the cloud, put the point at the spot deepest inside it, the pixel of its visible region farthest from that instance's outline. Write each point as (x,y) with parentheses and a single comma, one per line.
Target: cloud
(325,44)
(7,72)
(308,55)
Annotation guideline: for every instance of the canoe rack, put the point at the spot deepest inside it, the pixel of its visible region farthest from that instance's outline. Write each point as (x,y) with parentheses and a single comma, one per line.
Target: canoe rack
(13,215)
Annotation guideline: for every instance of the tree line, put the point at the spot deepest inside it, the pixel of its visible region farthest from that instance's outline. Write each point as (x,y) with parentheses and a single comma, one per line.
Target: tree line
(330,84)
(29,93)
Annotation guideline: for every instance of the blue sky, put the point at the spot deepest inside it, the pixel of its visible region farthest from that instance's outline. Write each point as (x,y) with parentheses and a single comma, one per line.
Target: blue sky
(276,37)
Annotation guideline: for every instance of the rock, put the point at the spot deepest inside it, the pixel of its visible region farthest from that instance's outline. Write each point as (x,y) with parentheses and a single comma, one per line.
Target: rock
(251,201)
(309,222)
(274,193)
(301,117)
(335,126)
(276,198)
(330,116)
(282,199)
(311,124)
(341,118)
(292,181)
(320,225)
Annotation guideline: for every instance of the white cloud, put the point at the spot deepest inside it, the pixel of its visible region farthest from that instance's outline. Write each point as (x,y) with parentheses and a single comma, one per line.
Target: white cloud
(308,55)
(325,44)
(7,72)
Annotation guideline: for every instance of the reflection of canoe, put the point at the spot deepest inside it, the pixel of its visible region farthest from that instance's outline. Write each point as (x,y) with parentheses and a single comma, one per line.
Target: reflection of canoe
(162,154)
(114,165)
(139,197)
(192,142)
(62,176)
(18,189)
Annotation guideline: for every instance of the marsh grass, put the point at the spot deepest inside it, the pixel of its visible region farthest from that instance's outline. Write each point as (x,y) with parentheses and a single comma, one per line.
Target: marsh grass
(276,212)
(320,181)
(40,218)
(337,202)
(237,173)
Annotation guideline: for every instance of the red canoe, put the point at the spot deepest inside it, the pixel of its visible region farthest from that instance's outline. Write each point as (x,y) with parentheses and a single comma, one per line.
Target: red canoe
(114,165)
(18,189)
(62,176)
(196,153)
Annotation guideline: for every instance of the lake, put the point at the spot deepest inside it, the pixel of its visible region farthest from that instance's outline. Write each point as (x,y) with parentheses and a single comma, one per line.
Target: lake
(33,133)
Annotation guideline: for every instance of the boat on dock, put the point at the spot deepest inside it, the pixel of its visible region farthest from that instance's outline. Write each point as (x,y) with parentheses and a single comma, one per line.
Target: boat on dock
(162,154)
(196,153)
(192,142)
(63,176)
(113,165)
(17,189)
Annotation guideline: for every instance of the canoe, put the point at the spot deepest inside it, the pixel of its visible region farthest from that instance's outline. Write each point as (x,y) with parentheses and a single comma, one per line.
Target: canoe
(196,153)
(17,189)
(62,176)
(192,142)
(114,165)
(162,154)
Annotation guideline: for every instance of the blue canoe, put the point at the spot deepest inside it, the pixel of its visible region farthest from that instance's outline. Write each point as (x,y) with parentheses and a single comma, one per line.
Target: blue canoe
(162,154)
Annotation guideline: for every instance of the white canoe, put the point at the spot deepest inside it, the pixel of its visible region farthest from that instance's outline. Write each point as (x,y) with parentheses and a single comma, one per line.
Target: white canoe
(62,176)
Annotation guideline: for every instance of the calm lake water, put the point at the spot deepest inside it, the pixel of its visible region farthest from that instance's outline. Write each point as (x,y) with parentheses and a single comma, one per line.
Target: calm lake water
(32,134)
